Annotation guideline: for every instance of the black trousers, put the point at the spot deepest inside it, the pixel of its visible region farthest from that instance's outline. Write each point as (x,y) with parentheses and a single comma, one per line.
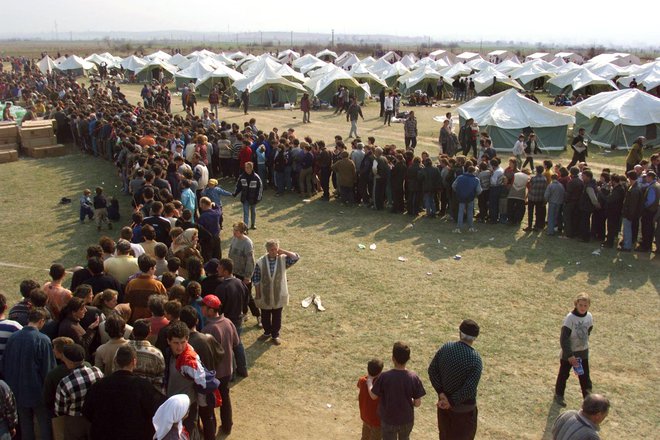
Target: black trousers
(584,219)
(379,196)
(411,142)
(226,419)
(325,182)
(397,201)
(613,227)
(272,321)
(457,425)
(647,229)
(565,372)
(571,219)
(209,422)
(540,214)
(515,210)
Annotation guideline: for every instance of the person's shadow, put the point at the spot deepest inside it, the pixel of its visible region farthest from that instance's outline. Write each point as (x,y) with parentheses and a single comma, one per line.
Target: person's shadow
(553,413)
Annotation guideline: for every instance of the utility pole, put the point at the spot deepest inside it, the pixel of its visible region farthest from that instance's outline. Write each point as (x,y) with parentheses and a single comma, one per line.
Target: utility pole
(57,34)
(291,40)
(333,38)
(261,35)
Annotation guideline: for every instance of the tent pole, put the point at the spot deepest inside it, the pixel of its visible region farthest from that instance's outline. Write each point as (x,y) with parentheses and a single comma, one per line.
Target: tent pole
(624,136)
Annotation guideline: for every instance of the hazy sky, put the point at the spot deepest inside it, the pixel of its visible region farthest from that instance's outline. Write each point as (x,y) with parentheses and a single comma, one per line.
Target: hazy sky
(562,21)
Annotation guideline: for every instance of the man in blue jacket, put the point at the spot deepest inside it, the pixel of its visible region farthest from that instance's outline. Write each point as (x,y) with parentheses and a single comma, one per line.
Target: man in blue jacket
(27,360)
(466,187)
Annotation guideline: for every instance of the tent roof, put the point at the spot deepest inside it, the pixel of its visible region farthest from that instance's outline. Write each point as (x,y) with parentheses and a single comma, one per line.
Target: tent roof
(221,71)
(496,53)
(265,78)
(254,67)
(484,79)
(320,64)
(363,72)
(468,56)
(511,110)
(566,67)
(318,83)
(347,62)
(304,60)
(326,53)
(75,62)
(558,61)
(288,53)
(537,55)
(479,64)
(628,107)
(197,70)
(157,62)
(287,71)
(529,71)
(650,78)
(412,78)
(408,60)
(133,63)
(507,66)
(396,69)
(579,78)
(456,70)
(177,59)
(46,64)
(390,56)
(605,70)
(236,56)
(160,55)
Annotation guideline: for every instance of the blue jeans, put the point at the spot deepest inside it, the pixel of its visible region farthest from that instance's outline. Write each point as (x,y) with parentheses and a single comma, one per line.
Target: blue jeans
(353,129)
(470,214)
(251,210)
(26,419)
(287,178)
(429,204)
(86,211)
(95,148)
(553,215)
(627,234)
(262,172)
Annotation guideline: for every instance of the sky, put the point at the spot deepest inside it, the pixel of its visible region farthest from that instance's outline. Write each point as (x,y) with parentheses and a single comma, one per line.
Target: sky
(581,22)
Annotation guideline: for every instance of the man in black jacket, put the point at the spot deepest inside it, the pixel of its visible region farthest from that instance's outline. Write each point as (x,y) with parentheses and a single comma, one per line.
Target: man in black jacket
(121,406)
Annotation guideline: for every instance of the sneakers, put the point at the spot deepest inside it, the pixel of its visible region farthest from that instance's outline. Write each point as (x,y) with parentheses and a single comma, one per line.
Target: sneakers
(264,337)
(318,304)
(457,231)
(259,324)
(559,400)
(472,230)
(307,301)
(277,341)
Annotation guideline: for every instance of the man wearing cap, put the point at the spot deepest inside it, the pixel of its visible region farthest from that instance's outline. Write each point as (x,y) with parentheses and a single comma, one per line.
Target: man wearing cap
(223,330)
(71,391)
(455,372)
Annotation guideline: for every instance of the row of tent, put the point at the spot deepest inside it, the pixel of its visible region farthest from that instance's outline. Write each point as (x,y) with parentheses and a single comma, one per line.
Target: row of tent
(610,118)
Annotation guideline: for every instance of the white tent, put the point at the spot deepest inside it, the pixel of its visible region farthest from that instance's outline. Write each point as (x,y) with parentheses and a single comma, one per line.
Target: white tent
(545,56)
(236,56)
(304,60)
(567,67)
(221,75)
(484,81)
(348,62)
(343,57)
(528,72)
(98,59)
(327,53)
(46,65)
(177,59)
(558,62)
(458,69)
(60,60)
(620,59)
(194,59)
(364,75)
(619,117)
(409,60)
(377,67)
(391,57)
(579,80)
(193,72)
(287,56)
(223,59)
(604,70)
(256,66)
(570,57)
(160,55)
(308,68)
(467,56)
(648,78)
(146,73)
(74,65)
(508,66)
(507,114)
(392,73)
(325,85)
(287,72)
(133,63)
(499,56)
(426,61)
(479,64)
(420,79)
(284,90)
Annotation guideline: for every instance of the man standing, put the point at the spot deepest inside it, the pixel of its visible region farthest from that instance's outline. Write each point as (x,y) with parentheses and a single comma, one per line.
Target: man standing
(224,331)
(584,424)
(71,391)
(27,360)
(380,169)
(466,187)
(579,147)
(150,362)
(120,406)
(233,295)
(650,197)
(122,265)
(410,131)
(455,372)
(352,114)
(138,290)
(7,327)
(271,290)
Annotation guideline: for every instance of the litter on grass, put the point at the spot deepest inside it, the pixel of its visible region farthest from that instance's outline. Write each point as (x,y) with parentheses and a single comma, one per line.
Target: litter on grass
(402,259)
(361,246)
(457,257)
(306,200)
(372,246)
(596,252)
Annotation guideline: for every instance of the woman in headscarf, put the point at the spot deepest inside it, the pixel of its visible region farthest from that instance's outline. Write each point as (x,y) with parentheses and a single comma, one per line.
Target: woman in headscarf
(184,247)
(169,416)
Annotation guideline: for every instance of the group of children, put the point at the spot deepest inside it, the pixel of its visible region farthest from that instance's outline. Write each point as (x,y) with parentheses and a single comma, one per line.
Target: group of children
(100,209)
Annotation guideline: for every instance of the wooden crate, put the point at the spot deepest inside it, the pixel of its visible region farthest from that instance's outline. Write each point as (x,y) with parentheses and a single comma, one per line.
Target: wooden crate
(8,147)
(39,142)
(37,132)
(46,151)
(8,156)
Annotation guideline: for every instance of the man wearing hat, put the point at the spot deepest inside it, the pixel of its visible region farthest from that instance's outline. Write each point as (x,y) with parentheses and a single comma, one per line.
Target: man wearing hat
(71,391)
(224,331)
(455,372)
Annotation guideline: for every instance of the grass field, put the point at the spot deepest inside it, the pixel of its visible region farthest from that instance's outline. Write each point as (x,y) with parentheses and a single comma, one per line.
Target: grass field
(518,287)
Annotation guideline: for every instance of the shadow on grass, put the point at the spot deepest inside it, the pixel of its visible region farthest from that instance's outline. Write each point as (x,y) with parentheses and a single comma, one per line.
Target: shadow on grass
(553,413)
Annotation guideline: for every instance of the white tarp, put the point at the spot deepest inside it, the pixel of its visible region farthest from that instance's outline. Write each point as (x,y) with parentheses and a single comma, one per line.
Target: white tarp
(160,55)
(177,59)
(511,110)
(648,77)
(508,66)
(529,72)
(221,71)
(397,69)
(74,62)
(133,63)
(622,107)
(458,69)
(604,70)
(195,71)
(264,78)
(46,64)
(287,72)
(578,79)
(409,80)
(484,79)
(327,53)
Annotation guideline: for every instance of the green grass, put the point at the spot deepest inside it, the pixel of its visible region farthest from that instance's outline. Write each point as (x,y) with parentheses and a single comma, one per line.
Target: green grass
(517,286)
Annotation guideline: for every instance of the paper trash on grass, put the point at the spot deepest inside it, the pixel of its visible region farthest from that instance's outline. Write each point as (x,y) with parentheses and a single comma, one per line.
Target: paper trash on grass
(457,257)
(372,246)
(361,246)
(402,259)
(439,241)
(429,273)
(307,200)
(329,405)
(596,252)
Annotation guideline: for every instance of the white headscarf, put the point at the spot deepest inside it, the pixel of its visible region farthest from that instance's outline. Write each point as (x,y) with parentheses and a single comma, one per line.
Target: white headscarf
(169,413)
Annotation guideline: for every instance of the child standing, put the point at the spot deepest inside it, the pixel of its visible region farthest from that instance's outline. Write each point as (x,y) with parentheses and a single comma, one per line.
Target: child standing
(574,342)
(86,206)
(369,406)
(400,391)
(101,209)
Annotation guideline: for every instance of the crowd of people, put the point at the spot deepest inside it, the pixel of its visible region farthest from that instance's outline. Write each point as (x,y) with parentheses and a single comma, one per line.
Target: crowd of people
(147,308)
